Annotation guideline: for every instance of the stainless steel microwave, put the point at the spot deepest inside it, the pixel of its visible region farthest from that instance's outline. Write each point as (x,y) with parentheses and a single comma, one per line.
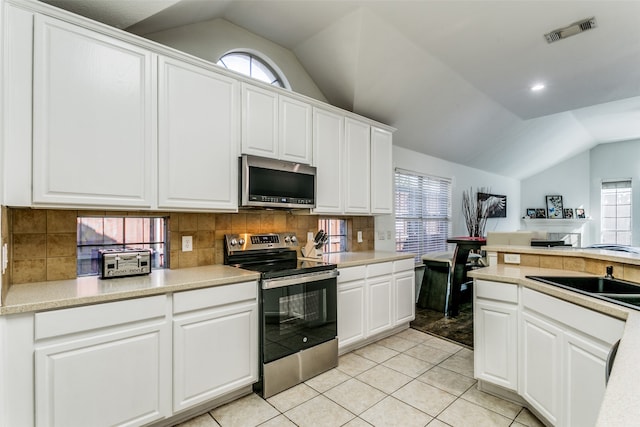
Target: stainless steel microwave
(274,183)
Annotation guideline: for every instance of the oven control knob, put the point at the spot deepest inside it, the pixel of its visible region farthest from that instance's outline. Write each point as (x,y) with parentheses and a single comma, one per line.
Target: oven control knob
(305,339)
(294,239)
(241,241)
(234,242)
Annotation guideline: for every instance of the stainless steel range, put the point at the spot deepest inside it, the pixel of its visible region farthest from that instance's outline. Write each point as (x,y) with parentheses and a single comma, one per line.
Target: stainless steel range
(298,309)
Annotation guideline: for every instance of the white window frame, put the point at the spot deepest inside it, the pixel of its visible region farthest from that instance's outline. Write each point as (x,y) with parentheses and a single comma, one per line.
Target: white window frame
(616,215)
(423,212)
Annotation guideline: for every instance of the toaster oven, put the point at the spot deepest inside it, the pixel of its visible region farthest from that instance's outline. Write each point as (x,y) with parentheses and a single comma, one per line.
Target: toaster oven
(124,262)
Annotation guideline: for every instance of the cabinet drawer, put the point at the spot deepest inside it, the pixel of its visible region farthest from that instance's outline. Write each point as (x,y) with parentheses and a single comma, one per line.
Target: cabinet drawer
(379,269)
(352,273)
(70,320)
(214,296)
(497,291)
(403,265)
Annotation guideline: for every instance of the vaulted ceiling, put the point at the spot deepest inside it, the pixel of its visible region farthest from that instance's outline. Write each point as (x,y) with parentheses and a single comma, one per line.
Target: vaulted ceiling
(452,76)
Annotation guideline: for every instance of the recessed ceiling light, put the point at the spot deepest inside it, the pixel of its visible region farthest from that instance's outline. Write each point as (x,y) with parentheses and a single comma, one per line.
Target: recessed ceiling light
(537,87)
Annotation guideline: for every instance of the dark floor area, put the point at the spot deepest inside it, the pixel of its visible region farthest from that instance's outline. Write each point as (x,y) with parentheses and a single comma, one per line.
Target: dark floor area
(458,328)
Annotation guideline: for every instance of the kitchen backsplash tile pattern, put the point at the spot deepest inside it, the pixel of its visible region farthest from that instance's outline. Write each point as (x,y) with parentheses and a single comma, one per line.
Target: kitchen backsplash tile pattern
(42,243)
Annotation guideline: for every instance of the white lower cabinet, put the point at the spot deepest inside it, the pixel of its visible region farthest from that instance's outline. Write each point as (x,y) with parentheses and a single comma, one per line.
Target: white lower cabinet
(351,305)
(103,365)
(128,363)
(495,313)
(551,352)
(541,366)
(374,299)
(215,334)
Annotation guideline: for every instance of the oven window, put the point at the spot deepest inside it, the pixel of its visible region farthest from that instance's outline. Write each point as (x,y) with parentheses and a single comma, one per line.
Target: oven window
(298,317)
(337,231)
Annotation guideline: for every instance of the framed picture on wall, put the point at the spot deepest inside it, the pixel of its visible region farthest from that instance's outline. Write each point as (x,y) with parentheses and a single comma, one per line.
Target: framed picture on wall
(531,213)
(494,204)
(541,213)
(568,213)
(580,213)
(554,207)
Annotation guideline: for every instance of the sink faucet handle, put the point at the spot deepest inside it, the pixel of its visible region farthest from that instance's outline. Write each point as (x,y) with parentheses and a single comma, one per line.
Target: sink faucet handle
(609,272)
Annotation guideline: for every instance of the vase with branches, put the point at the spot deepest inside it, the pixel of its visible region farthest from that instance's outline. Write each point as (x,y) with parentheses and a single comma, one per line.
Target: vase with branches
(475,213)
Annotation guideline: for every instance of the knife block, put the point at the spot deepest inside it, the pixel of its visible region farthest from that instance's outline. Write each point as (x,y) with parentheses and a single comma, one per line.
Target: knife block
(309,250)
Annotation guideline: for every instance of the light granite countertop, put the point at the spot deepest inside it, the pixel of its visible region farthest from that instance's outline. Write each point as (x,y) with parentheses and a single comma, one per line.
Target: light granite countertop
(619,407)
(91,289)
(352,259)
(58,294)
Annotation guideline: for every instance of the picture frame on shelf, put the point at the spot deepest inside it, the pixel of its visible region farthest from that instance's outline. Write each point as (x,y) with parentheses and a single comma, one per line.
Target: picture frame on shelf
(580,213)
(541,213)
(554,207)
(567,213)
(531,213)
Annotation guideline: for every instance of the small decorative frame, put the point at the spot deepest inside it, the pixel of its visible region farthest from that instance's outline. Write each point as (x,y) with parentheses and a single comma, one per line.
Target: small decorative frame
(541,213)
(531,213)
(580,213)
(554,206)
(568,213)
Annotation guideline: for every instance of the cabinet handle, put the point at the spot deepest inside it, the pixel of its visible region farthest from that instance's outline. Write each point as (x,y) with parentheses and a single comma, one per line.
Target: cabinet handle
(611,357)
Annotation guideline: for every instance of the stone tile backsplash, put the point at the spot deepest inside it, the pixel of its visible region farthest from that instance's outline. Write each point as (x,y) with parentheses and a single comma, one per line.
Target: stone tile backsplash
(42,243)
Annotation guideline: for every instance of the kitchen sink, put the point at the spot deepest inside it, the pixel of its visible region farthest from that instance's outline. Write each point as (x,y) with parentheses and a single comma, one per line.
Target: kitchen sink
(608,289)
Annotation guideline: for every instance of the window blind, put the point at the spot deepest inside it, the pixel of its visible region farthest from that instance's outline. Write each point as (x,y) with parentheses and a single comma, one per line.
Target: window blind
(423,213)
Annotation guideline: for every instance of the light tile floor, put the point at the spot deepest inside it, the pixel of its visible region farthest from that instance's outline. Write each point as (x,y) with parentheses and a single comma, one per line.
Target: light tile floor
(409,379)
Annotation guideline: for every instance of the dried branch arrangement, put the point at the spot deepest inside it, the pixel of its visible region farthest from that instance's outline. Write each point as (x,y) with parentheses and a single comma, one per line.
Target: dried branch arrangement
(475,213)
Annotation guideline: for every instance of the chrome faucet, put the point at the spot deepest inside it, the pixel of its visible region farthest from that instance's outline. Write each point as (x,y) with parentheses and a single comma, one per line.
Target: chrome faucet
(609,274)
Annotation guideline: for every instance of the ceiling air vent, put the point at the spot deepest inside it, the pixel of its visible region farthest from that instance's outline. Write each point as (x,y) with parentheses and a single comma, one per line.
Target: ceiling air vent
(571,30)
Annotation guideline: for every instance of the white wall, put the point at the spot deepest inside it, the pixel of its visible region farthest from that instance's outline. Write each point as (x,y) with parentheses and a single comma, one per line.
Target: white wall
(210,40)
(463,178)
(579,179)
(618,160)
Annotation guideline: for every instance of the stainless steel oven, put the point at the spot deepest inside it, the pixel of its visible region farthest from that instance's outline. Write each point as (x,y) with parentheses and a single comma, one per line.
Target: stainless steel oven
(298,309)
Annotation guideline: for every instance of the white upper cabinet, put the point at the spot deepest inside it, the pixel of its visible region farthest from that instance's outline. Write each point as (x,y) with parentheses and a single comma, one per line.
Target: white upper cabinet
(275,126)
(295,130)
(94,119)
(197,136)
(259,121)
(17,58)
(328,154)
(381,171)
(357,167)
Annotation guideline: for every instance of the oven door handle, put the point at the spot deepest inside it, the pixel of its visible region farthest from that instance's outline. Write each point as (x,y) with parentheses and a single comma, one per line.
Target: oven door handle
(298,279)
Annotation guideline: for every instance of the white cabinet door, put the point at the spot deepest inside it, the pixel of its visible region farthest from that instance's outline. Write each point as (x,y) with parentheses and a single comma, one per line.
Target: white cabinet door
(381,171)
(215,339)
(94,140)
(215,353)
(357,167)
(540,379)
(103,365)
(198,120)
(295,130)
(259,122)
(404,285)
(328,156)
(584,377)
(496,342)
(351,312)
(380,304)
(17,106)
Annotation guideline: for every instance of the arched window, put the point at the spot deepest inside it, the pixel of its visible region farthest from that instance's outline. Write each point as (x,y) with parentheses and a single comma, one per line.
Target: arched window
(252,65)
